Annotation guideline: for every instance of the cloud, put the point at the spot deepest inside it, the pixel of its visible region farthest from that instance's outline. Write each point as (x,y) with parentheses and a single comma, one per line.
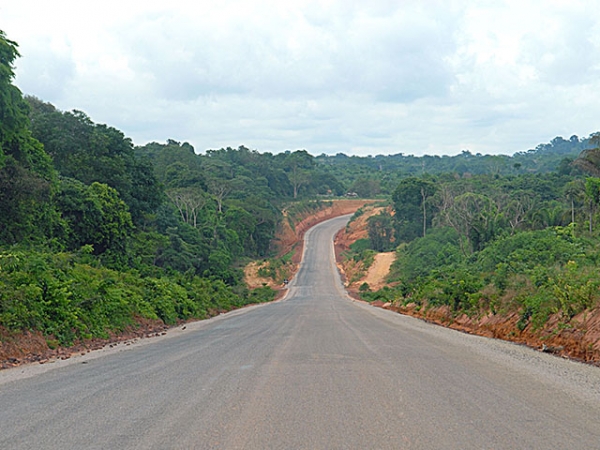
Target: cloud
(567,55)
(46,70)
(291,55)
(329,76)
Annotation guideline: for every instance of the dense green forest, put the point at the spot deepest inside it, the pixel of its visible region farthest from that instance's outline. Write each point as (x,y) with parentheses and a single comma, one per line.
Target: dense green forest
(97,233)
(374,175)
(488,244)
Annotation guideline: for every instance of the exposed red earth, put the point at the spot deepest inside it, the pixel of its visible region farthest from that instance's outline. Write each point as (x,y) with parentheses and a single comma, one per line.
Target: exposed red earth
(291,238)
(29,347)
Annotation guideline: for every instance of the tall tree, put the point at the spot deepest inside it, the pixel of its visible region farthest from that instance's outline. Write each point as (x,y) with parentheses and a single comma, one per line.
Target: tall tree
(574,191)
(90,152)
(27,178)
(381,232)
(516,208)
(297,165)
(589,160)
(96,216)
(189,202)
(473,216)
(13,114)
(412,209)
(592,193)
(220,189)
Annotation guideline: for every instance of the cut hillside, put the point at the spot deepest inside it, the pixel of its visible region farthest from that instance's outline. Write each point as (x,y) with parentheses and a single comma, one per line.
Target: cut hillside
(379,270)
(288,242)
(356,273)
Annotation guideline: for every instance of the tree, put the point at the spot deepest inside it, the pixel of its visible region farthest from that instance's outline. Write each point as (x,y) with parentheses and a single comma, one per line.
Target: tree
(175,165)
(13,114)
(244,224)
(96,216)
(474,217)
(412,210)
(220,189)
(25,209)
(297,165)
(574,191)
(517,207)
(89,152)
(381,232)
(366,188)
(27,178)
(189,201)
(15,137)
(265,217)
(592,193)
(589,160)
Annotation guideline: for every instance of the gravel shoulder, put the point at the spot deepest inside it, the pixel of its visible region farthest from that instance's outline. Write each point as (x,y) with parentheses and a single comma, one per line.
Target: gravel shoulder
(562,374)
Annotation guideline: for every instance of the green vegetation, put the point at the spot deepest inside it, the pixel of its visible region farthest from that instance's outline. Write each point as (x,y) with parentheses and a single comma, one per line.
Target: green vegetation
(363,256)
(69,296)
(498,244)
(296,210)
(535,273)
(372,176)
(277,269)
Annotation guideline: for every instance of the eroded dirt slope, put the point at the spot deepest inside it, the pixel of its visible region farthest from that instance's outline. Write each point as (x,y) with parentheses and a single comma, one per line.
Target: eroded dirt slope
(354,273)
(379,270)
(290,238)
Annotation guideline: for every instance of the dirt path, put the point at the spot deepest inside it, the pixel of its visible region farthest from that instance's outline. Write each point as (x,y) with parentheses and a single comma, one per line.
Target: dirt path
(380,268)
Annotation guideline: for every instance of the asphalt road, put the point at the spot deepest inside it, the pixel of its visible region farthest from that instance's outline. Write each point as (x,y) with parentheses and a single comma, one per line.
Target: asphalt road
(314,371)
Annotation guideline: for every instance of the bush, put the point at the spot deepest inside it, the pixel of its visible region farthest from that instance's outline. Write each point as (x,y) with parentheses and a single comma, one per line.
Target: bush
(68,300)
(526,250)
(261,295)
(421,257)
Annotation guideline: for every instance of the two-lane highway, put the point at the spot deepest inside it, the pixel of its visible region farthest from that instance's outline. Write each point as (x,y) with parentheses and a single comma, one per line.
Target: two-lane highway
(315,371)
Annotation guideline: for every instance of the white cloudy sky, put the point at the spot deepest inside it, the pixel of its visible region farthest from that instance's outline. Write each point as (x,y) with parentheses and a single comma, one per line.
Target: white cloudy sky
(353,76)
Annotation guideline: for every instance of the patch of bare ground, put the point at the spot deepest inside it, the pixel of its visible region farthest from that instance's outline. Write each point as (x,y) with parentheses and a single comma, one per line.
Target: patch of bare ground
(253,279)
(377,273)
(354,273)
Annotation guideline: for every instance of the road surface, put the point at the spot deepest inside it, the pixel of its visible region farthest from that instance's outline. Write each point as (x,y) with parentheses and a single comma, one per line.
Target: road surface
(314,371)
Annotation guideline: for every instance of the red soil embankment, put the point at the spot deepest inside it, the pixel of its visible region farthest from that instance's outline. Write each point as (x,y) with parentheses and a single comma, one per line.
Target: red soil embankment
(288,238)
(578,339)
(27,347)
(291,238)
(354,273)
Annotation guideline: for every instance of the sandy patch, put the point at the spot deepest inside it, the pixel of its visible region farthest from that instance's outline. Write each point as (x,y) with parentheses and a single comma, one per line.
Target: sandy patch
(379,270)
